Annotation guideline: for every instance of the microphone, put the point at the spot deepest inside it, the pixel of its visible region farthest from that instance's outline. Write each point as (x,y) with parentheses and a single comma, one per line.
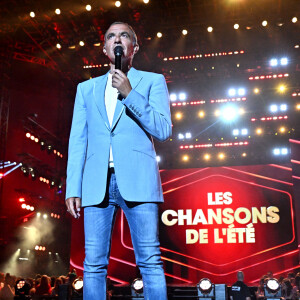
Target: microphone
(118,55)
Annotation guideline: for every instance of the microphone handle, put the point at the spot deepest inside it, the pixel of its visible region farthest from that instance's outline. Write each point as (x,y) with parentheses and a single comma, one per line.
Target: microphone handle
(118,63)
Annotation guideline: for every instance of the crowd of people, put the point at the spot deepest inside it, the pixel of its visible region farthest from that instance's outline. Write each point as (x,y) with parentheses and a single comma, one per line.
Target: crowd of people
(12,287)
(290,286)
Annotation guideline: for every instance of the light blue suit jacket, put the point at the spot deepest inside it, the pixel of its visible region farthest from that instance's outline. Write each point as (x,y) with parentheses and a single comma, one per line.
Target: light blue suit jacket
(144,114)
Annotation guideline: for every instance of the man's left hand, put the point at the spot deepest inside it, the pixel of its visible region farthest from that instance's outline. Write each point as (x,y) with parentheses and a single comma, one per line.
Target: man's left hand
(121,83)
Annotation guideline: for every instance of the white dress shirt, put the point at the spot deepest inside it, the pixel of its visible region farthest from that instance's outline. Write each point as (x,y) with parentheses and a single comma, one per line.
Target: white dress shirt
(111,98)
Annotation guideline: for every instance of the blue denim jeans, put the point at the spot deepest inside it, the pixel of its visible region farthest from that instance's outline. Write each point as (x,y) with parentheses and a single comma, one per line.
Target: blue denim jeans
(143,223)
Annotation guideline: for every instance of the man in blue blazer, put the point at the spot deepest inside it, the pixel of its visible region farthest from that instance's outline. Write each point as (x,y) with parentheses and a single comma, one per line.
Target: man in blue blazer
(112,163)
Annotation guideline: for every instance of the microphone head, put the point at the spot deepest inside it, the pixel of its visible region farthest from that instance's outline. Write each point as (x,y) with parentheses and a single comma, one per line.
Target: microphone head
(118,51)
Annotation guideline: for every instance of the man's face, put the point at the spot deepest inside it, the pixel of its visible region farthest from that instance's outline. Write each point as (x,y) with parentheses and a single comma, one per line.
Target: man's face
(119,35)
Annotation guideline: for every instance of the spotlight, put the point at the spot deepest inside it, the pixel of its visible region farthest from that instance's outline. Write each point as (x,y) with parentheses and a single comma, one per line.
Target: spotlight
(241,92)
(32,14)
(146,1)
(180,136)
(273,108)
(258,131)
(283,107)
(210,29)
(178,116)
(235,132)
(159,35)
(118,3)
(221,156)
(244,131)
(88,7)
(244,154)
(201,114)
(185,158)
(281,88)
(284,61)
(38,214)
(184,32)
(294,20)
(272,289)
(229,113)
(264,23)
(273,62)
(206,156)
(173,97)
(57,11)
(45,216)
(182,96)
(206,289)
(81,43)
(282,129)
(137,287)
(231,92)
(78,285)
(188,135)
(236,26)
(58,46)
(256,91)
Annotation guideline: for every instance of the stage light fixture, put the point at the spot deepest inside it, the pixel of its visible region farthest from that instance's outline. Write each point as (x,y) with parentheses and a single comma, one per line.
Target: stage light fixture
(244,131)
(178,116)
(159,35)
(188,135)
(298,106)
(185,158)
(206,156)
(137,288)
(38,214)
(272,289)
(118,3)
(283,107)
(281,88)
(273,62)
(32,14)
(231,92)
(235,132)
(210,29)
(236,26)
(57,11)
(81,43)
(256,91)
(241,92)
(201,114)
(173,97)
(282,129)
(294,20)
(229,113)
(58,46)
(217,112)
(206,289)
(182,96)
(88,7)
(273,108)
(264,23)
(184,32)
(45,216)
(284,61)
(244,154)
(180,136)
(221,155)
(78,285)
(258,131)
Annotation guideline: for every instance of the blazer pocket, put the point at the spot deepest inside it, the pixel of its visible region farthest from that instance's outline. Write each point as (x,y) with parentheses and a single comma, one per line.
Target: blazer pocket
(146,153)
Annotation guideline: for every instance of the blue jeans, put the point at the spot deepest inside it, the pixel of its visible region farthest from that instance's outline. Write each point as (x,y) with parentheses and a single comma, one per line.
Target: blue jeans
(143,223)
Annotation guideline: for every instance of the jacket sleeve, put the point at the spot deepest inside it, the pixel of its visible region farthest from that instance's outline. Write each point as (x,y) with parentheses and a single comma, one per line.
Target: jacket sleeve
(77,147)
(153,112)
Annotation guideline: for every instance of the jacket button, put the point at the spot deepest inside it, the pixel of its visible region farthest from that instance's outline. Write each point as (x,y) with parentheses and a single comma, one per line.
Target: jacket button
(112,134)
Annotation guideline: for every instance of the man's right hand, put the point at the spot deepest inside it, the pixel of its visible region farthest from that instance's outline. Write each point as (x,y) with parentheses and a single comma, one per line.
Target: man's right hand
(73,206)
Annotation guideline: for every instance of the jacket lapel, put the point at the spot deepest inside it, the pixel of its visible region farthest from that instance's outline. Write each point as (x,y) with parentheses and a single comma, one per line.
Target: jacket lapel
(134,78)
(99,94)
